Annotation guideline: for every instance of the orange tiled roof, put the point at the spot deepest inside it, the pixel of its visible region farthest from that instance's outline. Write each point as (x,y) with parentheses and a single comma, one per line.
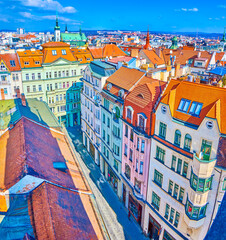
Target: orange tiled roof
(34,58)
(212,98)
(7,57)
(120,59)
(153,57)
(82,55)
(109,50)
(125,78)
(58,47)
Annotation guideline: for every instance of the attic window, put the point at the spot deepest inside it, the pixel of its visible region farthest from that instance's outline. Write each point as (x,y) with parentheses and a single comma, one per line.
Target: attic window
(12,63)
(209,124)
(26,63)
(54,52)
(37,62)
(195,109)
(140,95)
(184,105)
(60,166)
(64,52)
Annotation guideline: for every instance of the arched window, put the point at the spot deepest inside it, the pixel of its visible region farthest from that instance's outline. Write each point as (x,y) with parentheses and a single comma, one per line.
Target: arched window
(141,122)
(187,142)
(177,137)
(127,171)
(116,113)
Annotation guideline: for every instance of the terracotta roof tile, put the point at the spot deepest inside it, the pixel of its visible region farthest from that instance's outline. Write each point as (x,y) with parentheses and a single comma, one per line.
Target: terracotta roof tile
(7,57)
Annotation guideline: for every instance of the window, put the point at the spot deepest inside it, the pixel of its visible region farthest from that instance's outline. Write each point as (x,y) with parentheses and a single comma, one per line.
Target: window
(138,144)
(162,130)
(224,185)
(175,193)
(177,137)
(28,89)
(116,164)
(158,178)
(104,134)
(136,165)
(12,63)
(59,74)
(184,105)
(106,104)
(181,194)
(26,63)
(67,73)
(56,86)
(179,165)
(64,52)
(27,76)
(137,185)
(34,88)
(170,188)
(116,114)
(126,130)
(195,108)
(206,149)
(187,142)
(47,75)
(54,52)
(116,149)
(131,155)
(39,88)
(200,184)
(129,113)
(108,122)
(155,200)
(103,118)
(167,211)
(68,84)
(193,212)
(142,145)
(108,140)
(141,167)
(173,165)
(131,135)
(185,169)
(55,74)
(172,212)
(50,74)
(37,62)
(39,76)
(127,171)
(141,122)
(167,236)
(160,154)
(176,219)
(125,150)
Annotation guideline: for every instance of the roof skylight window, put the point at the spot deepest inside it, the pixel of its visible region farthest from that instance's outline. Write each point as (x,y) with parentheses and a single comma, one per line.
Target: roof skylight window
(64,52)
(195,109)
(54,52)
(184,105)
(12,63)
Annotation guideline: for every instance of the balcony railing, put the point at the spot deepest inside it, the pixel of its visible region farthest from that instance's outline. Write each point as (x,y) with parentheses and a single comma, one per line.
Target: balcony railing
(115,135)
(141,129)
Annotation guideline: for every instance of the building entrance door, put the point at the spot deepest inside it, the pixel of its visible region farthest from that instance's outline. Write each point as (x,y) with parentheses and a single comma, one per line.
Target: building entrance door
(91,150)
(153,229)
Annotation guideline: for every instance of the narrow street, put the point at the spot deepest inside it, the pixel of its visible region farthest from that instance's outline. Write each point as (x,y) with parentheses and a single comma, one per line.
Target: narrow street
(112,210)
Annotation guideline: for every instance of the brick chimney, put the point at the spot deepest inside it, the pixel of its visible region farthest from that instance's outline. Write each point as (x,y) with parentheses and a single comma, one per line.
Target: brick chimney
(23,100)
(18,95)
(2,94)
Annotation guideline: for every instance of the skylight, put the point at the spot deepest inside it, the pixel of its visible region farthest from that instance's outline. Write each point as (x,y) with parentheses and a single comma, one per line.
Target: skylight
(184,105)
(54,52)
(63,52)
(195,109)
(12,63)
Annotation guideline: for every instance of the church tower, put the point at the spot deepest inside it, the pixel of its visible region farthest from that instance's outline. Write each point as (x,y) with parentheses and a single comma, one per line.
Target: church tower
(57,31)
(147,45)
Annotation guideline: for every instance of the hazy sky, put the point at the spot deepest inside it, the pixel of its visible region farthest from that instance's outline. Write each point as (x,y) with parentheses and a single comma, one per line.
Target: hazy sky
(174,15)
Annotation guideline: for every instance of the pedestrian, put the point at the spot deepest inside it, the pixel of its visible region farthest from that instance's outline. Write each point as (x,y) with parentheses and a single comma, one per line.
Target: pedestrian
(129,213)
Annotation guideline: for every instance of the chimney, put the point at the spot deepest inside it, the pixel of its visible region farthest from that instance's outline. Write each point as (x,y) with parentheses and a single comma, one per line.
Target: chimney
(2,94)
(23,100)
(18,95)
(177,70)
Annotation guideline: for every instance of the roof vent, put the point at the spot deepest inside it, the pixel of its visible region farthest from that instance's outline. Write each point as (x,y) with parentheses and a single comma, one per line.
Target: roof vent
(60,166)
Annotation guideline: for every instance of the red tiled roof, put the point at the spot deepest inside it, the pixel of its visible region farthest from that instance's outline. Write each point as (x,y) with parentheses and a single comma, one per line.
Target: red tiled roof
(120,59)
(7,57)
(55,44)
(153,57)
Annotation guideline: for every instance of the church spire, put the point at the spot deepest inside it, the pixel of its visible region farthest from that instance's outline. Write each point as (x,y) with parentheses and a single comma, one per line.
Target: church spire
(147,45)
(66,28)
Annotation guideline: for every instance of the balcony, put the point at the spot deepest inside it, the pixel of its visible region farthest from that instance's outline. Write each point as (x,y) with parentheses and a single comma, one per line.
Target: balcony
(115,135)
(141,129)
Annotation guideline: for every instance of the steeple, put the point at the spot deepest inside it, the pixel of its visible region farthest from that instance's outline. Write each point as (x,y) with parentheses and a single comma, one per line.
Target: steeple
(174,43)
(147,45)
(57,22)
(57,30)
(66,31)
(223,38)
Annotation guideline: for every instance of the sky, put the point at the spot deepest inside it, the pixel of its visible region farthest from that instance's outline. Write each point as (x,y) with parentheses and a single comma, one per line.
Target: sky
(164,15)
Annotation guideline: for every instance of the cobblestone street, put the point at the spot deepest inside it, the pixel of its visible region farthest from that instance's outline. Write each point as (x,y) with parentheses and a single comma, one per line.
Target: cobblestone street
(112,210)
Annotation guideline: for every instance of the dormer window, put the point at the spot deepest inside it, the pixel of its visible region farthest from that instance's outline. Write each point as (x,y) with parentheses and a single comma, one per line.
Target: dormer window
(54,52)
(184,105)
(37,62)
(3,67)
(195,109)
(129,113)
(12,63)
(26,63)
(64,52)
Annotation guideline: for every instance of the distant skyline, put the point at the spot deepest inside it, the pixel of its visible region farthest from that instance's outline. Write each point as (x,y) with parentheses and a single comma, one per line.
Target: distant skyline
(166,16)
